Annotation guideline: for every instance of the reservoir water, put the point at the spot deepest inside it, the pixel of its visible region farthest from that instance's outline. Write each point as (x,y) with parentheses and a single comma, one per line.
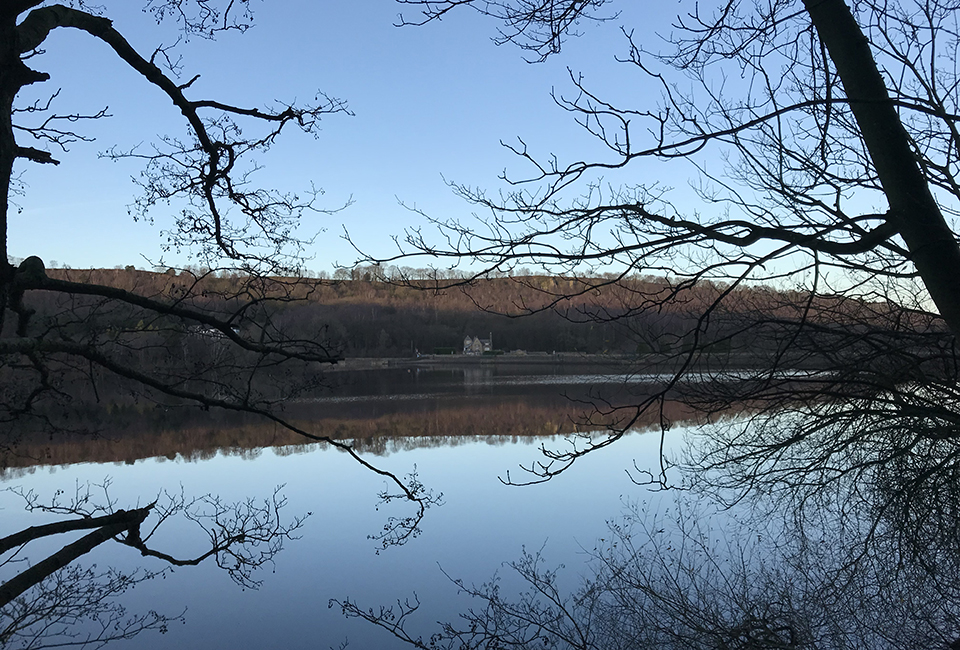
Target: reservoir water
(461,430)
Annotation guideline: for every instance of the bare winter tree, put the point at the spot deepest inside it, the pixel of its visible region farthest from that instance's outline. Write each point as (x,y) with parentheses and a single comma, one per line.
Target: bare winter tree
(824,246)
(820,257)
(44,315)
(72,340)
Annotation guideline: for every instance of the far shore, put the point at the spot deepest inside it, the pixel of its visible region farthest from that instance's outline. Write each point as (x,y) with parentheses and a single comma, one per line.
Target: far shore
(530,358)
(544,359)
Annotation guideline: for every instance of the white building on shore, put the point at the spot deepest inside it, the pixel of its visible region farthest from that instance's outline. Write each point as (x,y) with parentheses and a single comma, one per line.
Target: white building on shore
(476,345)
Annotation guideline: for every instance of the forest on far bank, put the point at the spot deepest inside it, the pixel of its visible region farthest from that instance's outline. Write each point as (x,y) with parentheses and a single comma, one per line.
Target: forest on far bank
(369,312)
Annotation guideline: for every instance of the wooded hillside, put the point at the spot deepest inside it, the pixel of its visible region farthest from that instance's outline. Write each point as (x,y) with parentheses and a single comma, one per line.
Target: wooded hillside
(367,316)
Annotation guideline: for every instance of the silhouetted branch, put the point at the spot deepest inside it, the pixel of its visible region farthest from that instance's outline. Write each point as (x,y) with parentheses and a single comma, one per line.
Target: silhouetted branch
(537,26)
(42,570)
(36,532)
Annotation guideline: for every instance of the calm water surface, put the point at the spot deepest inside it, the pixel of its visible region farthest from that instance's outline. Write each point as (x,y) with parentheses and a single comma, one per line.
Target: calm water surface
(481,524)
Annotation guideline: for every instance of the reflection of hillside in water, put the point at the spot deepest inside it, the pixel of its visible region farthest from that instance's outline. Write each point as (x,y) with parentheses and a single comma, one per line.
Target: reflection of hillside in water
(497,412)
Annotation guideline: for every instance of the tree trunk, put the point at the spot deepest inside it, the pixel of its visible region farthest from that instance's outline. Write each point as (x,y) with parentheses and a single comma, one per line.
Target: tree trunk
(86,523)
(913,210)
(32,576)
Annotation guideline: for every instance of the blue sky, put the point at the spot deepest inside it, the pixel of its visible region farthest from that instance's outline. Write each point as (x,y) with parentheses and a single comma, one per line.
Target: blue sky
(430,103)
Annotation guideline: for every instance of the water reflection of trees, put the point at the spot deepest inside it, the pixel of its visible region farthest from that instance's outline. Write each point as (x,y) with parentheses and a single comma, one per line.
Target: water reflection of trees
(60,602)
(77,606)
(838,527)
(689,578)
(155,433)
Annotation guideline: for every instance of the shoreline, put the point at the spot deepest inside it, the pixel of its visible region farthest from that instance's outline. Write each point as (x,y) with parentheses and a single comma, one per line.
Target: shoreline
(434,360)
(544,359)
